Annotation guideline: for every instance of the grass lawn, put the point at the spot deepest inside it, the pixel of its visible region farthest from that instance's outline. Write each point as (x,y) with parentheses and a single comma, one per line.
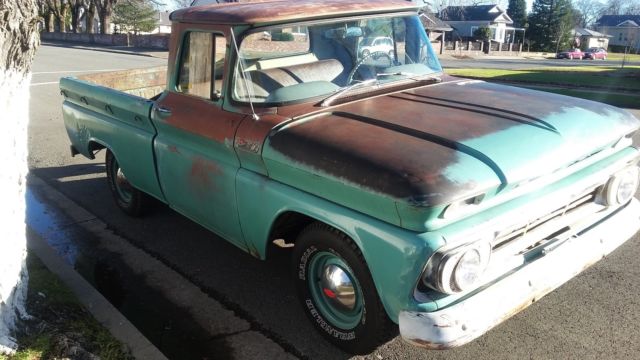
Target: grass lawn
(619,100)
(60,324)
(618,56)
(601,77)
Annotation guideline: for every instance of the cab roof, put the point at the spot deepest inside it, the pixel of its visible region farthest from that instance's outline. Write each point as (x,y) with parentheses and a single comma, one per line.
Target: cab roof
(276,11)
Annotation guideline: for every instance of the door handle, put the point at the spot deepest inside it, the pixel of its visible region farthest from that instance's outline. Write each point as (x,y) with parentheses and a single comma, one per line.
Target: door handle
(163,111)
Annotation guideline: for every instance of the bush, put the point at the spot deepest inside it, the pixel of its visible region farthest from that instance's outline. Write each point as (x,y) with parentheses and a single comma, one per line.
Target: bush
(283,36)
(483,33)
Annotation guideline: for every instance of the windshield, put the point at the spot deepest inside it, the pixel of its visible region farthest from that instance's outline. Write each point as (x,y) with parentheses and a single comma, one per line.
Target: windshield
(294,62)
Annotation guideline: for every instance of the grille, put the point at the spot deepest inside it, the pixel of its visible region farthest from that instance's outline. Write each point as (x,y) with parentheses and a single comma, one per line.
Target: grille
(524,236)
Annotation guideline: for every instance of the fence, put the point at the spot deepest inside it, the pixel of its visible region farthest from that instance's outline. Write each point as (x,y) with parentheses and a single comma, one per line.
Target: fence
(478,47)
(155,41)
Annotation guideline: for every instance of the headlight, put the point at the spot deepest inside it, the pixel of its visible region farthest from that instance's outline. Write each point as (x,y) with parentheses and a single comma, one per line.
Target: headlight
(459,269)
(621,187)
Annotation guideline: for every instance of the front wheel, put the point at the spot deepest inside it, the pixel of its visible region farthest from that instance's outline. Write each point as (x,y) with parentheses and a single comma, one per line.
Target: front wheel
(129,199)
(336,290)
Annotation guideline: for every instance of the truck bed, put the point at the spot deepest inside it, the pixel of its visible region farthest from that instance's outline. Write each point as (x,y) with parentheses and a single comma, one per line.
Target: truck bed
(113,110)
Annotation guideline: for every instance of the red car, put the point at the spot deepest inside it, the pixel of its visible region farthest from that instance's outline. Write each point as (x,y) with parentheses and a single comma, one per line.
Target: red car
(570,54)
(595,53)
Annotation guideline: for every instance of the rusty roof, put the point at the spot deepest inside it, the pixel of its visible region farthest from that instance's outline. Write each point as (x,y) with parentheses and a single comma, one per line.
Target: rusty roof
(261,12)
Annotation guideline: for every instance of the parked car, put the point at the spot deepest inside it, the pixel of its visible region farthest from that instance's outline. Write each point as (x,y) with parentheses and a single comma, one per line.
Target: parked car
(595,53)
(378,46)
(403,195)
(570,54)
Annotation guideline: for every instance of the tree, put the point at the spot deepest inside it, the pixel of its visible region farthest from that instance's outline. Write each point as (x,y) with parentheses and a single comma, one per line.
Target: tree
(18,42)
(59,10)
(89,14)
(550,24)
(517,11)
(135,16)
(182,3)
(105,11)
(482,33)
(588,11)
(75,6)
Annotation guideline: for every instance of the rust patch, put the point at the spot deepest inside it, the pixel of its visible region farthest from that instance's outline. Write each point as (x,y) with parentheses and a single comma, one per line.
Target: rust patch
(203,173)
(275,11)
(429,344)
(173,149)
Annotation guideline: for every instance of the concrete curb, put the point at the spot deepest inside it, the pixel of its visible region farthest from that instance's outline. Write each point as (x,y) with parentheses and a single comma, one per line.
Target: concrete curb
(98,306)
(110,49)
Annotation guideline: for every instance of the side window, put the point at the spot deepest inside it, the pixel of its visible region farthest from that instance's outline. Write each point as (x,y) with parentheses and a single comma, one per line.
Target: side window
(202,60)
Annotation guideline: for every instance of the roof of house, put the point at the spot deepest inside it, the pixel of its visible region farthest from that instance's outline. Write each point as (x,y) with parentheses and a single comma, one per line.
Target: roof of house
(431,22)
(474,13)
(615,20)
(260,12)
(587,32)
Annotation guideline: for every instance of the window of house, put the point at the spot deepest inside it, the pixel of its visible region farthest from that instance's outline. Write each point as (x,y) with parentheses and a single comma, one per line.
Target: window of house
(202,60)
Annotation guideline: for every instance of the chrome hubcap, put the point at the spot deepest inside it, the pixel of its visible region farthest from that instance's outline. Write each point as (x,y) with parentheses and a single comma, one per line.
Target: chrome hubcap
(338,287)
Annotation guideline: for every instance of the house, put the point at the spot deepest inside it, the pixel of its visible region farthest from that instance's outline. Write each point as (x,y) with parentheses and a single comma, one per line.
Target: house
(164,24)
(623,29)
(465,20)
(436,30)
(590,38)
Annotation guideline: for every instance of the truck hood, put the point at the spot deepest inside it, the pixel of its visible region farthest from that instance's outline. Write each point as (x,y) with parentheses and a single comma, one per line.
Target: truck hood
(433,145)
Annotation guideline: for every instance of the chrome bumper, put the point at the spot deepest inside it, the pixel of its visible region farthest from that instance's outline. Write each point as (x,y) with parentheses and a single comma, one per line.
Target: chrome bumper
(464,321)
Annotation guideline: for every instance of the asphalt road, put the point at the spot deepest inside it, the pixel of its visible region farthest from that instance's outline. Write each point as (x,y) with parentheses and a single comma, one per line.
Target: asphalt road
(593,316)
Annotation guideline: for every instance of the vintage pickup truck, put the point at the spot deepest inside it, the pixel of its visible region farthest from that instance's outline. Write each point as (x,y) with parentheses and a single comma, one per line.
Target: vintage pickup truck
(404,195)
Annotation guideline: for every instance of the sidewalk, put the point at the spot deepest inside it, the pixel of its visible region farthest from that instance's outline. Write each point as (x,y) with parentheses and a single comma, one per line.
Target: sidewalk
(129,50)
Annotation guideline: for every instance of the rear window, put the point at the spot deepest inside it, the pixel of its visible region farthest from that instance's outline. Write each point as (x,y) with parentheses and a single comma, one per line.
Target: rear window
(276,43)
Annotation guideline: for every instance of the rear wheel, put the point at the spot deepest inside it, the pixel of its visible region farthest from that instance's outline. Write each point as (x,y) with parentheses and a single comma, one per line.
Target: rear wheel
(129,199)
(336,290)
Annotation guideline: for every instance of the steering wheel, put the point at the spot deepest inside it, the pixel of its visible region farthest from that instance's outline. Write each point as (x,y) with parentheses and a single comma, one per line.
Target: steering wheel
(353,71)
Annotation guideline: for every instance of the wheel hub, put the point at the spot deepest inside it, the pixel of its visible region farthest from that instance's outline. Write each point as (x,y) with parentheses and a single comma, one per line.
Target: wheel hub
(338,287)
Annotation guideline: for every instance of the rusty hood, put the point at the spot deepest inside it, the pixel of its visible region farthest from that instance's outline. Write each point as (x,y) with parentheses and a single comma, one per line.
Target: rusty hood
(429,146)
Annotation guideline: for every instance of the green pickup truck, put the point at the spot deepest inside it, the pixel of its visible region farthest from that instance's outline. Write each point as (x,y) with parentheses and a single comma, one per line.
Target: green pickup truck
(405,196)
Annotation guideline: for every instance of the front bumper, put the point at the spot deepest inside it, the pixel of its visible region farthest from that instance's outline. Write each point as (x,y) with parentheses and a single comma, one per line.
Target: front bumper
(468,319)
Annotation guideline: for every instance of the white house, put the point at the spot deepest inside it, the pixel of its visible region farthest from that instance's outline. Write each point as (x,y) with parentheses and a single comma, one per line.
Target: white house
(623,29)
(465,20)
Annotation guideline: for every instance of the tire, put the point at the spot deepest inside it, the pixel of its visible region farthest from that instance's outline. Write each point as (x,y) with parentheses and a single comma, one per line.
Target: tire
(129,199)
(365,53)
(356,323)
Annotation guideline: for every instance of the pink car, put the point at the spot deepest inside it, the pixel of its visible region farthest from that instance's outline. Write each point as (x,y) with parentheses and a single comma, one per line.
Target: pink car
(595,53)
(570,54)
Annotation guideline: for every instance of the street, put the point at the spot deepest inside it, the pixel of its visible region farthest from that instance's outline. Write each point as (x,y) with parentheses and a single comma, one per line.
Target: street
(593,316)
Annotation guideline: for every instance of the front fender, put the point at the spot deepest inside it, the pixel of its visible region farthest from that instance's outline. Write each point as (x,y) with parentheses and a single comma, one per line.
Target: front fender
(395,256)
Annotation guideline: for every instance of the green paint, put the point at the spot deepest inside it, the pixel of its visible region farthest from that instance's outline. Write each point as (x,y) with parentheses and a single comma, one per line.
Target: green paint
(128,132)
(395,256)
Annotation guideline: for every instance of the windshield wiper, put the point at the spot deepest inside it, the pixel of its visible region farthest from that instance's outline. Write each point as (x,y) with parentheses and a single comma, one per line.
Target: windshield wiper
(337,94)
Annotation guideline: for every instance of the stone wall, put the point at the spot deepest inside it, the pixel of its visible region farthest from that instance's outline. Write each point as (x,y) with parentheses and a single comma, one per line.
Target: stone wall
(155,41)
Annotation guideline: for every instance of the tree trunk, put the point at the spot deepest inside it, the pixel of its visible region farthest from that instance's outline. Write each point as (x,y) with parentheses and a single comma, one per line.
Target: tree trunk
(91,15)
(105,22)
(75,16)
(50,22)
(62,20)
(18,43)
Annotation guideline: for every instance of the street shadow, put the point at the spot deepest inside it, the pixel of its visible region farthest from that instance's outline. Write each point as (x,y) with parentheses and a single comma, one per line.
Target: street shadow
(259,291)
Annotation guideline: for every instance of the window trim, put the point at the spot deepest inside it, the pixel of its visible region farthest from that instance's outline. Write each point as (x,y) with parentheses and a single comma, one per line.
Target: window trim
(176,77)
